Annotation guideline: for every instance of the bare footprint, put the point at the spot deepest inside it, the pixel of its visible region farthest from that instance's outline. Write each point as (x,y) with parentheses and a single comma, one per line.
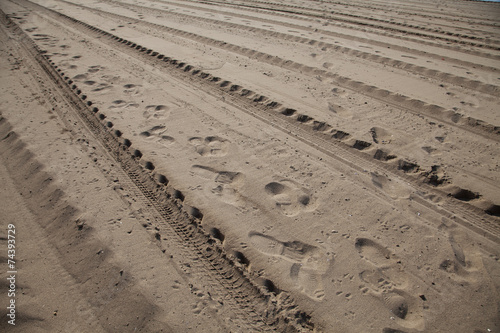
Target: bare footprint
(290,198)
(210,145)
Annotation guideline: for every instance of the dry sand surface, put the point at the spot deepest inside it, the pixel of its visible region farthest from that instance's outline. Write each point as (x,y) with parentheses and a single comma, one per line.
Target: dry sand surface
(250,166)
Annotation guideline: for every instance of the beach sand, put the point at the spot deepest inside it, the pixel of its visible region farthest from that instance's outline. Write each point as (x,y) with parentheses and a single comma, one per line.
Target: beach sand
(250,166)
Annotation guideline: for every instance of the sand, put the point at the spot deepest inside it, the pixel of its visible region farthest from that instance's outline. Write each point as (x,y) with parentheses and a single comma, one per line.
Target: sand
(250,166)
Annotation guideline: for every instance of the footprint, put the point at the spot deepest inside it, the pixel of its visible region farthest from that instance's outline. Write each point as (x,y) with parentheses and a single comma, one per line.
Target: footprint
(132,89)
(210,145)
(431,150)
(119,103)
(294,251)
(94,69)
(290,198)
(309,263)
(176,284)
(373,252)
(156,112)
(396,303)
(337,92)
(309,281)
(392,187)
(157,133)
(101,87)
(339,110)
(384,279)
(466,265)
(225,185)
(80,77)
(380,135)
(386,282)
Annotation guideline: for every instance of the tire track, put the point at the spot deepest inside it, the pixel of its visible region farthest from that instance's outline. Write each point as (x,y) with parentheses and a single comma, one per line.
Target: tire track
(405,49)
(398,9)
(405,103)
(415,69)
(380,33)
(390,22)
(316,135)
(339,18)
(441,14)
(256,308)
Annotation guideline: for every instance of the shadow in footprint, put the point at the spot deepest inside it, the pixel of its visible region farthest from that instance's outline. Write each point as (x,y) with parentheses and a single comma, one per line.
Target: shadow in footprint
(386,282)
(132,89)
(373,252)
(157,133)
(309,262)
(210,145)
(225,185)
(156,112)
(290,198)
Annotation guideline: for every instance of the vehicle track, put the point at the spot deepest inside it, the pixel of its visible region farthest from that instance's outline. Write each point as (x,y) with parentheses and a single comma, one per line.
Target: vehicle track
(441,57)
(255,307)
(400,6)
(376,32)
(405,103)
(415,69)
(380,33)
(342,12)
(303,128)
(400,10)
(339,18)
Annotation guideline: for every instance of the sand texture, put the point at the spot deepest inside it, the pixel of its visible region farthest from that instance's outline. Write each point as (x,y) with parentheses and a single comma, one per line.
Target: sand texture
(251,166)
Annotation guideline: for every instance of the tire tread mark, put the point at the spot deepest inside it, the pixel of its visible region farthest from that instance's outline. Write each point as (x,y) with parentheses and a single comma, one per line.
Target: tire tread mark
(471,216)
(256,309)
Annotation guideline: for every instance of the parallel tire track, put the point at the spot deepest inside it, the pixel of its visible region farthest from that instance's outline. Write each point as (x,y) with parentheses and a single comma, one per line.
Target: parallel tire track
(304,130)
(256,308)
(368,41)
(361,29)
(437,31)
(406,103)
(320,15)
(417,70)
(400,10)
